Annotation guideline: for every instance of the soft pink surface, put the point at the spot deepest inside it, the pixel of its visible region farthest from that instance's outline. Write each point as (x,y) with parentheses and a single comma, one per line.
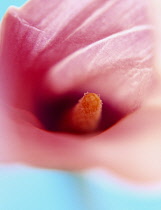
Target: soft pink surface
(118,67)
(50,47)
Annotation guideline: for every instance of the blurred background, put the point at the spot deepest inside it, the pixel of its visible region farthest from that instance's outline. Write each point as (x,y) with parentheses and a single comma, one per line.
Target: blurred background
(27,188)
(5,4)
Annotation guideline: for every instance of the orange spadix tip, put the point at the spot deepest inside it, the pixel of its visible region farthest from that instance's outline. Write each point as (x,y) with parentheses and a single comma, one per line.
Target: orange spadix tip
(85,116)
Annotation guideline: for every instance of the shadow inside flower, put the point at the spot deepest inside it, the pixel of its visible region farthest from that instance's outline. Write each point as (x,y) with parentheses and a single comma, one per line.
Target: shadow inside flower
(50,113)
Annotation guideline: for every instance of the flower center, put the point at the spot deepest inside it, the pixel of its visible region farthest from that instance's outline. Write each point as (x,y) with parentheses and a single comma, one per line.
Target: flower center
(85,116)
(77,113)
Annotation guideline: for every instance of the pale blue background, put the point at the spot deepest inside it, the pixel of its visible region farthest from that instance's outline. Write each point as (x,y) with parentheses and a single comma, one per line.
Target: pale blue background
(4,4)
(24,188)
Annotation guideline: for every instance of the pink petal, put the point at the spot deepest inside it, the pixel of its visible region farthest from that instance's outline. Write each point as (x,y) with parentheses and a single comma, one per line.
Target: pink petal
(81,23)
(23,140)
(17,42)
(118,67)
(41,33)
(130,149)
(99,46)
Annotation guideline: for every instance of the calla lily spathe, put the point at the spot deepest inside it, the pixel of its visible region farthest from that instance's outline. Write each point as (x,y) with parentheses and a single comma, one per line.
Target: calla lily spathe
(50,48)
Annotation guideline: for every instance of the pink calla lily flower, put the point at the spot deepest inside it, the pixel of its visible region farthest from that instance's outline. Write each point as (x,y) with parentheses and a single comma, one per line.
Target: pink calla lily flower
(52,52)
